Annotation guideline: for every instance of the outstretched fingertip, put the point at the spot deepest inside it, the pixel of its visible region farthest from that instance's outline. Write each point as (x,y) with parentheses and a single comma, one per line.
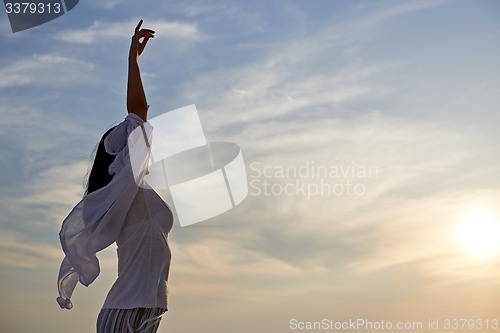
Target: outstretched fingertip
(138,27)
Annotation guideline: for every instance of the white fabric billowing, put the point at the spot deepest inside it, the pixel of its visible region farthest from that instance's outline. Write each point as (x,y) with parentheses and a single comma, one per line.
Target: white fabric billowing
(135,217)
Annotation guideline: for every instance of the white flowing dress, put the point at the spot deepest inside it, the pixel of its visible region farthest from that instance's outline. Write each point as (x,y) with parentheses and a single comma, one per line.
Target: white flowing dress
(133,216)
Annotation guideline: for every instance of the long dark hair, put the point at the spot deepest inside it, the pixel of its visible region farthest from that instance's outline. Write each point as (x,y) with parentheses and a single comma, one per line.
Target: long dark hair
(99,176)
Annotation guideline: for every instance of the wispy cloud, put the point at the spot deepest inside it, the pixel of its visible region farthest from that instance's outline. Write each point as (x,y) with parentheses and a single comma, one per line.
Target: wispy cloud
(316,71)
(102,31)
(44,69)
(385,12)
(270,90)
(289,84)
(56,189)
(107,5)
(38,133)
(216,263)
(294,105)
(16,251)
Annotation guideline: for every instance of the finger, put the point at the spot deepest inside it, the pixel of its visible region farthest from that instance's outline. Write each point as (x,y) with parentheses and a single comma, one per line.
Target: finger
(143,34)
(138,27)
(142,44)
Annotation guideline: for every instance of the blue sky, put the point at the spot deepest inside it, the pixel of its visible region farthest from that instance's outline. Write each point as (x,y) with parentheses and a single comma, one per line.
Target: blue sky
(408,87)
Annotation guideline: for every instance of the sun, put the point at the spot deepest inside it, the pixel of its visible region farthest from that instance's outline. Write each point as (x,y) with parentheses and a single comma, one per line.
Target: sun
(480,234)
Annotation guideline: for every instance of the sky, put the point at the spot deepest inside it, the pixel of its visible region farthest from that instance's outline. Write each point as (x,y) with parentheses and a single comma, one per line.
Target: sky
(369,134)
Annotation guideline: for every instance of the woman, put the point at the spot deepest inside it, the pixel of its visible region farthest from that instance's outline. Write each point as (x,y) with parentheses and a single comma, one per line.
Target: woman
(120,207)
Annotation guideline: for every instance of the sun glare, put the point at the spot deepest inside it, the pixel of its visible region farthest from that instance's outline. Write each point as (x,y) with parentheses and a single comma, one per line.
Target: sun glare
(480,234)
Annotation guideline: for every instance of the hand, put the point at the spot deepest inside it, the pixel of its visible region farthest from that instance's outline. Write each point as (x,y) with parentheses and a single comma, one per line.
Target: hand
(137,47)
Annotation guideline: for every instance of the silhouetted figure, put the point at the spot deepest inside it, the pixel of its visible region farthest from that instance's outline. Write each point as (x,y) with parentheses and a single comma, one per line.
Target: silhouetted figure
(116,209)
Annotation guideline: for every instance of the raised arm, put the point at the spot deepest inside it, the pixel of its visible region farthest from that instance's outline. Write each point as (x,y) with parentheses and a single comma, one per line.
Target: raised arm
(136,98)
